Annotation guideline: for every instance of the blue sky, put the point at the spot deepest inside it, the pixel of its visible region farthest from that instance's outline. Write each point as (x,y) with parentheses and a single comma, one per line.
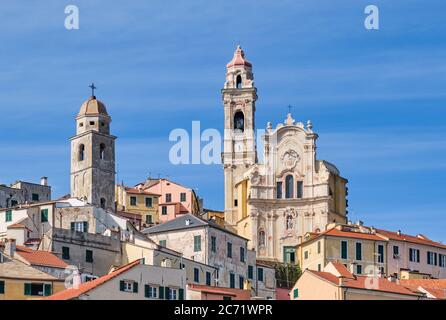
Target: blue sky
(376,98)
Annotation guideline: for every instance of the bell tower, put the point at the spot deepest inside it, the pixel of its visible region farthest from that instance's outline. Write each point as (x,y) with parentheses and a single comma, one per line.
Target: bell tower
(93,156)
(239,97)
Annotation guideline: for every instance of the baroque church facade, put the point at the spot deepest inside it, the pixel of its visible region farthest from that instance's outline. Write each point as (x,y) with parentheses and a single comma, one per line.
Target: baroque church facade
(276,202)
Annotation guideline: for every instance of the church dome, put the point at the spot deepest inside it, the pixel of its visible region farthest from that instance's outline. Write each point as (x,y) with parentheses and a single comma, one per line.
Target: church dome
(93,107)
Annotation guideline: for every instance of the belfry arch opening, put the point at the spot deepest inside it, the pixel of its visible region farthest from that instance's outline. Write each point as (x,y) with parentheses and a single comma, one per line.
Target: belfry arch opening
(238,82)
(239,121)
(102,151)
(81,153)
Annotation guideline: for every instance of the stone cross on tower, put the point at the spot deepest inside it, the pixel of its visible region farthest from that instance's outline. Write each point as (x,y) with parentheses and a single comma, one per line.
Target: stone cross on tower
(92,86)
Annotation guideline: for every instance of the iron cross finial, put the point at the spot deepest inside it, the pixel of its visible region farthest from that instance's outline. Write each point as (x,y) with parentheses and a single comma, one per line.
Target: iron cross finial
(289,108)
(92,86)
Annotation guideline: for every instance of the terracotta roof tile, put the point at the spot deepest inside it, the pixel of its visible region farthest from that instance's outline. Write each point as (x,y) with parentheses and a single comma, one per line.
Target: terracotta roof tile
(73,293)
(40,258)
(408,238)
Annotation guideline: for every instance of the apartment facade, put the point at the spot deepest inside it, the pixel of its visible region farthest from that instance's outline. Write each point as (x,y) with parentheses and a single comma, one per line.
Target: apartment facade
(138,201)
(22,192)
(360,249)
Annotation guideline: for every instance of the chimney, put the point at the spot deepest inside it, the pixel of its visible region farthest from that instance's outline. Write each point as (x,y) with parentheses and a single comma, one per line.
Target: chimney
(398,232)
(10,247)
(359,223)
(247,285)
(44,181)
(391,278)
(187,222)
(341,281)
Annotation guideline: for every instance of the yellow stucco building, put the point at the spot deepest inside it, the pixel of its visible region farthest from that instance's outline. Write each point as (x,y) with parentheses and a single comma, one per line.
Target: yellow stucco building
(360,249)
(138,201)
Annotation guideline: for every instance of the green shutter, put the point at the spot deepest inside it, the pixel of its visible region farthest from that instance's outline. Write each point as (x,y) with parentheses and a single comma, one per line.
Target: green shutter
(2,287)
(121,285)
(146,290)
(135,287)
(27,289)
(161,293)
(47,290)
(180,294)
(296,293)
(44,215)
(166,293)
(85,226)
(72,226)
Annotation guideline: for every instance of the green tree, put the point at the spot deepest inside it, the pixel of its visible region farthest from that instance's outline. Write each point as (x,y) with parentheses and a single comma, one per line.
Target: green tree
(287,274)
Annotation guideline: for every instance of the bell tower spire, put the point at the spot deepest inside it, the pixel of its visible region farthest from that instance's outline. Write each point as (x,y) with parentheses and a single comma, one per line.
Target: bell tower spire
(239,97)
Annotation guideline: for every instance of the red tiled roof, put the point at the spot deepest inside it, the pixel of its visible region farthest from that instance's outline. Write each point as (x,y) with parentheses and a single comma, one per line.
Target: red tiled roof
(334,232)
(140,191)
(73,293)
(408,238)
(40,258)
(439,284)
(343,271)
(363,283)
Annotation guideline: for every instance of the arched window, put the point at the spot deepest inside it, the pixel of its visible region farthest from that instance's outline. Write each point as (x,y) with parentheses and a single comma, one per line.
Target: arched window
(238,82)
(102,151)
(103,203)
(289,187)
(239,121)
(81,154)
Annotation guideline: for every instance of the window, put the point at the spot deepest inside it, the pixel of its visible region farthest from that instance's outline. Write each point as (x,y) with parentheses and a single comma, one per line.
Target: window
(344,253)
(196,275)
(213,244)
(44,215)
(289,255)
(163,210)
(172,294)
(235,203)
(103,202)
(183,196)
(163,243)
(227,298)
(232,280)
(149,202)
(14,203)
(38,289)
(81,124)
(89,256)
(289,186)
(149,219)
(81,153)
(358,269)
(358,251)
(380,253)
(133,201)
(241,282)
(168,197)
(128,286)
(442,260)
(250,272)
(242,254)
(208,278)
(431,258)
(35,197)
(414,255)
(8,216)
(80,226)
(296,293)
(229,247)
(150,291)
(2,287)
(300,189)
(260,274)
(396,252)
(318,247)
(91,123)
(102,151)
(238,82)
(306,255)
(239,121)
(65,253)
(279,190)
(319,267)
(197,243)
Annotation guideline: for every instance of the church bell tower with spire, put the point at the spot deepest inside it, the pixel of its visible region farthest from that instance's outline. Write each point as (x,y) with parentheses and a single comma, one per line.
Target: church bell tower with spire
(239,97)
(93,155)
